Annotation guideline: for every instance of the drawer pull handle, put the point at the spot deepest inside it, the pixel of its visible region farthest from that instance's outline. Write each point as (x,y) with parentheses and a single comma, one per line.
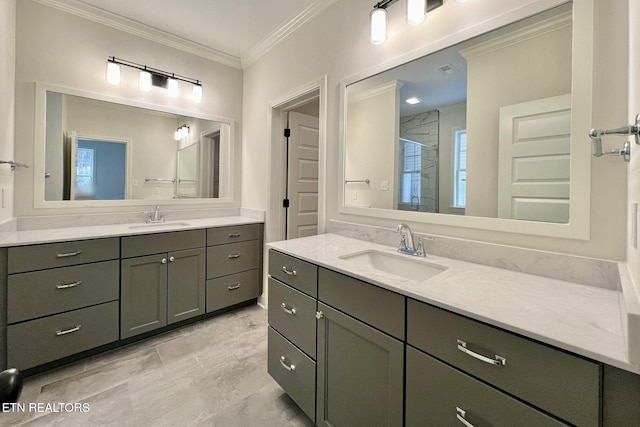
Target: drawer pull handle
(291,312)
(68,254)
(234,286)
(460,415)
(498,361)
(69,285)
(234,234)
(289,272)
(234,256)
(289,368)
(68,331)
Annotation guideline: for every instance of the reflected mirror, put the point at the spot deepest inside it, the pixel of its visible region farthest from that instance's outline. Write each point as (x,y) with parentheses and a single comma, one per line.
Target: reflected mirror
(99,150)
(479,129)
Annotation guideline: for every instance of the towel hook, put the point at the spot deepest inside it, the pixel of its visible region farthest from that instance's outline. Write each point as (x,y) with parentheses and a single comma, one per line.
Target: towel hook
(597,134)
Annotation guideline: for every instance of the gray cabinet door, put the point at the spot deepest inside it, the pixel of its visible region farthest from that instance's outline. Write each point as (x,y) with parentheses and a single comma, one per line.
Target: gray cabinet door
(143,298)
(360,373)
(186,284)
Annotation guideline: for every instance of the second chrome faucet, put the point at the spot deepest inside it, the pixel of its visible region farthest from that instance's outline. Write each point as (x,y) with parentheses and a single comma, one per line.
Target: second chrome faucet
(155,216)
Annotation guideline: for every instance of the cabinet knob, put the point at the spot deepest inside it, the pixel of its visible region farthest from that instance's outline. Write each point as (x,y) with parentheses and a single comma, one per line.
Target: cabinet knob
(319,315)
(164,260)
(171,259)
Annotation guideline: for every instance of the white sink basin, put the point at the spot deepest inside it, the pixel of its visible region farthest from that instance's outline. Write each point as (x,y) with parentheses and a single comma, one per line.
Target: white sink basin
(158,225)
(401,265)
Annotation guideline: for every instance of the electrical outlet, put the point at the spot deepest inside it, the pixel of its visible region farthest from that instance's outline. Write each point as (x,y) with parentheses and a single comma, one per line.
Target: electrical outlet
(355,195)
(384,185)
(4,198)
(134,182)
(157,190)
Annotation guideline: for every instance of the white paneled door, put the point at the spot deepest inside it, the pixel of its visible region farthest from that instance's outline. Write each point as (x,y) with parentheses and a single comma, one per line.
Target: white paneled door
(533,179)
(303,176)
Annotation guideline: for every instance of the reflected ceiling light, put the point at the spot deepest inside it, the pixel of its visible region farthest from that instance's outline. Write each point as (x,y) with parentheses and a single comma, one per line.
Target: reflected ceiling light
(416,11)
(413,100)
(113,73)
(144,82)
(416,14)
(150,77)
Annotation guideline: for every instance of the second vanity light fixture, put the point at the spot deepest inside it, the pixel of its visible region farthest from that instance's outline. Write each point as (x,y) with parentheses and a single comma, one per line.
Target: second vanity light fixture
(153,77)
(181,132)
(416,15)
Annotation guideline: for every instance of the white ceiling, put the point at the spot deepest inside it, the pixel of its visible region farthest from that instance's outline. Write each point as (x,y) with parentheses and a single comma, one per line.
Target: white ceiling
(231,27)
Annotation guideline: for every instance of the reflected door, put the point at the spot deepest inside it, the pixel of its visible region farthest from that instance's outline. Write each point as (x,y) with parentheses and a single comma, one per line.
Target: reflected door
(534,160)
(303,176)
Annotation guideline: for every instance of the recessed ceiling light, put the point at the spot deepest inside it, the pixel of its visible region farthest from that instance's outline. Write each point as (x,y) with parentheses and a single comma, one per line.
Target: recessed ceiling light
(413,100)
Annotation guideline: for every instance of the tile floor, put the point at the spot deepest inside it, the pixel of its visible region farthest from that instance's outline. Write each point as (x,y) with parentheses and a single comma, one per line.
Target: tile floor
(213,373)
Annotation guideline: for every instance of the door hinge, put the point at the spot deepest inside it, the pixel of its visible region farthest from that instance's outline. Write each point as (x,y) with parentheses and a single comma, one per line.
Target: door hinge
(287,133)
(319,315)
(285,203)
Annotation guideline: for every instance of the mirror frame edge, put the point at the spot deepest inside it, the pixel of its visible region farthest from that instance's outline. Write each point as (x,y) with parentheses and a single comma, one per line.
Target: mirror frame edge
(39,154)
(578,227)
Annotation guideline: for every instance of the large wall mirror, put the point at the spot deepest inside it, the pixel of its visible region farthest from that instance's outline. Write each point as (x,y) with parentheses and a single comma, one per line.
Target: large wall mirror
(480,133)
(99,151)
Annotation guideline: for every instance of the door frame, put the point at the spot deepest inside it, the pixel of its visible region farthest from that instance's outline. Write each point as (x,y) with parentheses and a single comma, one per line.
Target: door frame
(275,218)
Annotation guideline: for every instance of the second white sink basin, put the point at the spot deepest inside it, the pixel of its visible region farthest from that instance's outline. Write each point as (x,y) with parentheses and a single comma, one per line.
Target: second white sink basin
(397,264)
(158,225)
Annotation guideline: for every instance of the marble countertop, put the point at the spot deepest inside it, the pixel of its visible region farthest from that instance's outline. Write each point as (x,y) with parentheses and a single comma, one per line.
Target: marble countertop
(31,237)
(582,319)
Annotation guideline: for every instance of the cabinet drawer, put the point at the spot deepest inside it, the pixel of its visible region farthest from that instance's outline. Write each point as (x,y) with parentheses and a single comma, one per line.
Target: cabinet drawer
(294,371)
(435,391)
(233,289)
(232,258)
(294,272)
(293,314)
(49,255)
(148,244)
(378,307)
(565,385)
(41,293)
(43,340)
(233,234)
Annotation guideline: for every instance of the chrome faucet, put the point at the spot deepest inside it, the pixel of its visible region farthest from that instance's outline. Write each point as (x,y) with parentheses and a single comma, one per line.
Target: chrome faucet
(407,245)
(156,216)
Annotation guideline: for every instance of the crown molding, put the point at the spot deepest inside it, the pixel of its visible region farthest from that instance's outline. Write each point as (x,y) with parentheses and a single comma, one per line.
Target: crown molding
(518,36)
(391,86)
(130,26)
(313,9)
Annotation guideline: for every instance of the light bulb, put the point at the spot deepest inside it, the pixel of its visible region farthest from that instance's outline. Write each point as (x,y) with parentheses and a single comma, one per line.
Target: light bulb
(416,12)
(173,88)
(378,25)
(144,83)
(113,73)
(197,94)
(177,136)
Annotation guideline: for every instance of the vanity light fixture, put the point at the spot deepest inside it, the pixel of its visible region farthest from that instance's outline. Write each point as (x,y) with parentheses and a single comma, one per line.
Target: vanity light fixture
(416,14)
(181,132)
(150,77)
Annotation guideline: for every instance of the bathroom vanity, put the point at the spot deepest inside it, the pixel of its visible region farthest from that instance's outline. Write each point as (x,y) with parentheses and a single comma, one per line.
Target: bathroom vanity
(359,344)
(114,284)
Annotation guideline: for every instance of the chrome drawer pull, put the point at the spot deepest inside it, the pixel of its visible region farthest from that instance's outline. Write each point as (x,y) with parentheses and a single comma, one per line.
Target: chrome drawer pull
(234,286)
(234,234)
(289,272)
(68,331)
(234,256)
(460,414)
(291,312)
(69,285)
(498,361)
(289,368)
(68,254)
